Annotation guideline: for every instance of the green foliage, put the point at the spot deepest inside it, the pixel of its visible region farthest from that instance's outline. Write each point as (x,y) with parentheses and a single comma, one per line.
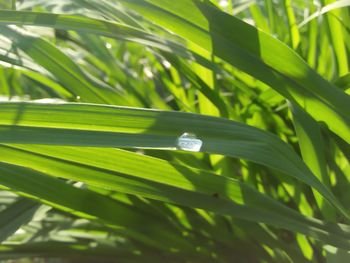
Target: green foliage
(96,97)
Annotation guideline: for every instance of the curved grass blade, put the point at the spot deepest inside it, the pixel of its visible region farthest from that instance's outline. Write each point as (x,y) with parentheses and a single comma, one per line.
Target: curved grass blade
(109,126)
(208,28)
(325,9)
(61,66)
(312,150)
(254,52)
(132,173)
(15,215)
(87,204)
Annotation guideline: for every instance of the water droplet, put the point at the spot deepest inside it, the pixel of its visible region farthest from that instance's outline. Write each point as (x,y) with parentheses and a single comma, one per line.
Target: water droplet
(78,97)
(80,185)
(223,3)
(108,45)
(148,72)
(189,142)
(20,231)
(166,64)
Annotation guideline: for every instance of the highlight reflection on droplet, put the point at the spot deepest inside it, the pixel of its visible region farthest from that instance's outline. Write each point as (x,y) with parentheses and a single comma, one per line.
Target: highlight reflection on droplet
(189,142)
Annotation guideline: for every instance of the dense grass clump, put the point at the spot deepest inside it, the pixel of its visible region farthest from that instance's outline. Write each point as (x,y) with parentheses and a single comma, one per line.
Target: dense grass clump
(174,131)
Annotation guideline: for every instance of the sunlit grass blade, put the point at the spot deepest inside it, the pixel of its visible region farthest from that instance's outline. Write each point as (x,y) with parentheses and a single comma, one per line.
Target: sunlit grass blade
(208,28)
(127,127)
(258,58)
(170,183)
(82,203)
(312,149)
(174,131)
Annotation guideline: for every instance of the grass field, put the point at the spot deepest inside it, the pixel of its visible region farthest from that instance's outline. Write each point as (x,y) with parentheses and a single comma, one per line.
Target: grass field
(175,131)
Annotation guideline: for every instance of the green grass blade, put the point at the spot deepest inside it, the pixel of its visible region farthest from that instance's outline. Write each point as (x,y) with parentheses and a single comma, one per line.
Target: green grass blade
(15,215)
(325,9)
(257,58)
(86,204)
(338,39)
(209,28)
(167,182)
(312,150)
(60,65)
(63,124)
(293,27)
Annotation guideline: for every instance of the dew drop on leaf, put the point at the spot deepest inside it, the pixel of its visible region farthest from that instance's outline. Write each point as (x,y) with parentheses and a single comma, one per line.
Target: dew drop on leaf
(189,142)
